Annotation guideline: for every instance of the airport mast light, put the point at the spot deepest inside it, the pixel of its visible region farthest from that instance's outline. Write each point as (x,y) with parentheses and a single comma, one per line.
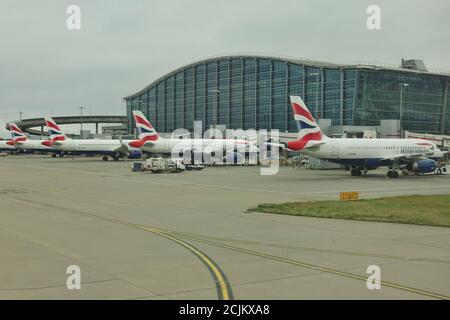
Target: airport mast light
(317,74)
(215,91)
(81,122)
(402,85)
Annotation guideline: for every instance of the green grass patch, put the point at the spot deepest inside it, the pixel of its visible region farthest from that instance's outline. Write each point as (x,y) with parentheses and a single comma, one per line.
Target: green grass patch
(431,210)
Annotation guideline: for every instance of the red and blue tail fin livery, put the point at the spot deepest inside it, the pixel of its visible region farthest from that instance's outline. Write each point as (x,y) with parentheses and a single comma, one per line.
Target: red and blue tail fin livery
(145,130)
(54,131)
(16,134)
(309,133)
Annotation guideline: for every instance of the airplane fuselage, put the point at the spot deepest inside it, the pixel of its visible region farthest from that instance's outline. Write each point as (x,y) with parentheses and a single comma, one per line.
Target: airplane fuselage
(114,148)
(33,145)
(202,145)
(6,147)
(82,145)
(372,152)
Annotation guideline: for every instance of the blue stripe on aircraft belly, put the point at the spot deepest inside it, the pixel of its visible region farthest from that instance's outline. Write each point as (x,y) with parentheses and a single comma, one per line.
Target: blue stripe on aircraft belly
(39,150)
(90,152)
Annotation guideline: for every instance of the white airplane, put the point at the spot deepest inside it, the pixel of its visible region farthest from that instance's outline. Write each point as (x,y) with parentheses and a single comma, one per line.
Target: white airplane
(21,142)
(7,146)
(150,141)
(362,154)
(106,147)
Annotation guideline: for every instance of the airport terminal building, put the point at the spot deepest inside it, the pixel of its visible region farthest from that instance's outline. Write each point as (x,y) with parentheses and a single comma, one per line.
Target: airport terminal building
(252,92)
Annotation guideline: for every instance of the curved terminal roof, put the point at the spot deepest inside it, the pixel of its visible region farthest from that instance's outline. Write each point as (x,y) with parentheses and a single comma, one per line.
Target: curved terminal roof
(300,61)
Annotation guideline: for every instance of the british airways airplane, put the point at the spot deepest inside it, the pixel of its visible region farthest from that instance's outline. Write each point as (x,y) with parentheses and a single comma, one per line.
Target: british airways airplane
(7,146)
(106,147)
(416,155)
(21,142)
(150,141)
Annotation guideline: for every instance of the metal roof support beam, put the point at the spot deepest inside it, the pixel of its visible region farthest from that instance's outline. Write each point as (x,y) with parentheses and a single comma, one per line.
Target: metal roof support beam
(444,106)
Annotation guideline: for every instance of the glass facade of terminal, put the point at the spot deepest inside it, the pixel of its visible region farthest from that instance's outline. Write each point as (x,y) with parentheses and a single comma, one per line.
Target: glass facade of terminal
(253,93)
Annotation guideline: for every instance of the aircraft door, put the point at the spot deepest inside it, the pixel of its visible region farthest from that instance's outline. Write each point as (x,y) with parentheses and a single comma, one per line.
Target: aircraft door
(335,149)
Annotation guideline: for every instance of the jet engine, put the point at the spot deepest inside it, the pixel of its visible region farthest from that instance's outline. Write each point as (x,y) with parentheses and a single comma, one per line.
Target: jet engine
(423,166)
(135,154)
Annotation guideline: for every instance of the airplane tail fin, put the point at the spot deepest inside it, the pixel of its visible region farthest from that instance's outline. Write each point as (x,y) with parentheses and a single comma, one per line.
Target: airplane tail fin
(144,127)
(55,132)
(16,134)
(309,132)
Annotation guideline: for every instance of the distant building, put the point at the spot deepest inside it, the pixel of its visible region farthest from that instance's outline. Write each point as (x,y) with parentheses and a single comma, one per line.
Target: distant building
(253,92)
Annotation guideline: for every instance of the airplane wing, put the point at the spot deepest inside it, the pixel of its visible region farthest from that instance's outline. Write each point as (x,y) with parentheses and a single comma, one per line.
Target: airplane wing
(313,143)
(406,156)
(123,148)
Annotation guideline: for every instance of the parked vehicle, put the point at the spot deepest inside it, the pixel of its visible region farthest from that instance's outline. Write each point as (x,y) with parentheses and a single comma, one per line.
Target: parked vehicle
(159,165)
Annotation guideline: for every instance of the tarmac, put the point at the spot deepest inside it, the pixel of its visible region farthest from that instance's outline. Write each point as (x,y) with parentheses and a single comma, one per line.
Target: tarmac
(189,235)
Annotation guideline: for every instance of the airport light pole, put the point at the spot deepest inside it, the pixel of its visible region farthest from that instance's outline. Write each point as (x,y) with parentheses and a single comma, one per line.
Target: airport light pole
(215,92)
(81,122)
(316,74)
(402,85)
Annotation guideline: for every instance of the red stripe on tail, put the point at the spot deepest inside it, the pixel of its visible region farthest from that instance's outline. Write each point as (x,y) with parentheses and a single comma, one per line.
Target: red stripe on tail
(142,121)
(300,111)
(52,125)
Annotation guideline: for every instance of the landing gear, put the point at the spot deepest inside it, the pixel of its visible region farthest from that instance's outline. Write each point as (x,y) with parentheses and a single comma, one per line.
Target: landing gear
(105,158)
(355,172)
(392,174)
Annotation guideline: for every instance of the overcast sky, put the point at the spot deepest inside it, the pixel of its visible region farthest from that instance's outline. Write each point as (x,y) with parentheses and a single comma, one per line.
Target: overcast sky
(47,69)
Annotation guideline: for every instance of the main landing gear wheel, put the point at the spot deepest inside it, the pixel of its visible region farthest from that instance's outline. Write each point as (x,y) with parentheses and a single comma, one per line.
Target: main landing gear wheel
(392,174)
(105,158)
(355,172)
